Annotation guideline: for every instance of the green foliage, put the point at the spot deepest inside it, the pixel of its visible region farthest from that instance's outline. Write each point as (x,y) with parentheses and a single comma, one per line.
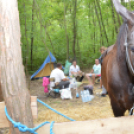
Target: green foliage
(48,31)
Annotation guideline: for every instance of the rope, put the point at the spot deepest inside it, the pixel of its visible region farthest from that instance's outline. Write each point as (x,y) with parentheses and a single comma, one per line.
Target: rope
(23,128)
(55,110)
(51,127)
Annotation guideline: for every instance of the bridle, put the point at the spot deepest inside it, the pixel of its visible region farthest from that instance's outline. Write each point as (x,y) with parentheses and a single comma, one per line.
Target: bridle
(127,54)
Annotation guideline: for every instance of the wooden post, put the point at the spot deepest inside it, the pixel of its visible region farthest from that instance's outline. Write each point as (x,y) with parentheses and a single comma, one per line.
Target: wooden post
(13,84)
(122,125)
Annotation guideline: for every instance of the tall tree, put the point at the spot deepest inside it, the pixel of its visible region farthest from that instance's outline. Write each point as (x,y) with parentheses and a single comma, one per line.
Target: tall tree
(99,21)
(66,32)
(32,34)
(74,26)
(114,20)
(104,29)
(13,83)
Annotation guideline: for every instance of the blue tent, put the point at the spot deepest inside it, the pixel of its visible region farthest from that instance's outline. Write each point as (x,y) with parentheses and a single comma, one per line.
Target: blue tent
(46,68)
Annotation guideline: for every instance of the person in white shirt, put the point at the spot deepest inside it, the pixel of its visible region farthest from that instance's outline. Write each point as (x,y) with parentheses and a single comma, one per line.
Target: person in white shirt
(75,71)
(95,72)
(60,80)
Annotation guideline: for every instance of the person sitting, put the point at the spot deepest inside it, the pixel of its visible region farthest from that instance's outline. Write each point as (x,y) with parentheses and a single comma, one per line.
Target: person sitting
(95,72)
(76,72)
(61,81)
(102,50)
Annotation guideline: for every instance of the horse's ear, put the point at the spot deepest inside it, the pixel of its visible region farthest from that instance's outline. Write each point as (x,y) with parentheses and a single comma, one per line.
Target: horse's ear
(127,15)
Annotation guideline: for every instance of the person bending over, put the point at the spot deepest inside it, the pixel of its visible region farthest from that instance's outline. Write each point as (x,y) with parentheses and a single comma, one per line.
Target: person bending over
(95,72)
(60,80)
(76,72)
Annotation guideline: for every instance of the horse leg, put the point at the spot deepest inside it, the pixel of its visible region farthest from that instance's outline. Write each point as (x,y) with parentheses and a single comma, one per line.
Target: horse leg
(117,110)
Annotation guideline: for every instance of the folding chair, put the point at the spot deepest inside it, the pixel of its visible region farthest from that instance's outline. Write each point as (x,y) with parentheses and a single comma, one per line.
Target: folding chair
(53,91)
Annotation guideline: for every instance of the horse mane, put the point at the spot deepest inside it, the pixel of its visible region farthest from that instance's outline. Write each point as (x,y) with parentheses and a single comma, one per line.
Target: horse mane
(121,41)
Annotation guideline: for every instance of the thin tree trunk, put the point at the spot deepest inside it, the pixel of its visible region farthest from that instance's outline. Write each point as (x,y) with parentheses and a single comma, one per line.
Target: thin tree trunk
(118,17)
(13,83)
(78,47)
(67,39)
(79,52)
(101,36)
(32,38)
(116,29)
(102,21)
(94,30)
(74,27)
(129,2)
(51,43)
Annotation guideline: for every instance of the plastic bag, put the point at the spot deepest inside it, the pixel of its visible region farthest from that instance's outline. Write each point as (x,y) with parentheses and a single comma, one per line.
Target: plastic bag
(85,95)
(65,94)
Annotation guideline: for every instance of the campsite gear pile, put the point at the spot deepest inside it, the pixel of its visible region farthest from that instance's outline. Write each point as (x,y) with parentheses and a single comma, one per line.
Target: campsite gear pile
(49,83)
(65,93)
(89,88)
(73,83)
(85,95)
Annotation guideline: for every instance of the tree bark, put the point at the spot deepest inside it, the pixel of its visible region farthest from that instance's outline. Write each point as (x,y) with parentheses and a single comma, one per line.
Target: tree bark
(98,4)
(67,39)
(101,36)
(74,27)
(13,83)
(32,38)
(115,26)
(94,30)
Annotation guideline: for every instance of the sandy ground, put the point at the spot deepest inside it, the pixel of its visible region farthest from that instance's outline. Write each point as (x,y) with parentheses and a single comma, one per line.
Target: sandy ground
(98,108)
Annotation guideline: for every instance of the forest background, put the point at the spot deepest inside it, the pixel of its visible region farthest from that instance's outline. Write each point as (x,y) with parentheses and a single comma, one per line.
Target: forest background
(68,29)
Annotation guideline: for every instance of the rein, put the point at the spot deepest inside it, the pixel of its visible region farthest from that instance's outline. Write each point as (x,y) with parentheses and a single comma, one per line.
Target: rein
(127,55)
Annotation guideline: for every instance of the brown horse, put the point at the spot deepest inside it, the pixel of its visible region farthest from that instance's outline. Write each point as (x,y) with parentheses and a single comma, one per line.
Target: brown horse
(118,64)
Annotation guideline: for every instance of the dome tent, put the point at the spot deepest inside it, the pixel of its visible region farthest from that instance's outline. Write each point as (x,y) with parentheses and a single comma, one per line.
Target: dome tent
(46,68)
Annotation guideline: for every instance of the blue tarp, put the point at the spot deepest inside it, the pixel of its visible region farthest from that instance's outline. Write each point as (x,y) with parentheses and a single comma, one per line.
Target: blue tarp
(50,58)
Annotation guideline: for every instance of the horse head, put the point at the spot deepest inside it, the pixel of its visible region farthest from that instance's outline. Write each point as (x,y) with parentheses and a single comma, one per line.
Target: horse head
(128,31)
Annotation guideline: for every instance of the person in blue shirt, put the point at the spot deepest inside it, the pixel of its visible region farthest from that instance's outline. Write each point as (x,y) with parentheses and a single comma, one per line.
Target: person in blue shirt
(95,72)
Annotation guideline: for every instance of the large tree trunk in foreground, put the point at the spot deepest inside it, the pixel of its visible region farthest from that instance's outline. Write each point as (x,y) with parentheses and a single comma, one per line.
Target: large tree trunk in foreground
(13,84)
(1,97)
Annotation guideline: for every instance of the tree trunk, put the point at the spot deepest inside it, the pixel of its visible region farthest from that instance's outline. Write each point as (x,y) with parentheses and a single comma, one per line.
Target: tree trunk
(102,21)
(1,97)
(67,39)
(74,27)
(116,29)
(32,38)
(130,4)
(101,36)
(13,84)
(94,30)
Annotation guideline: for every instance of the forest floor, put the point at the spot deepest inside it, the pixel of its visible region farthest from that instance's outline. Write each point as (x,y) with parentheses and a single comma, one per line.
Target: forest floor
(98,108)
